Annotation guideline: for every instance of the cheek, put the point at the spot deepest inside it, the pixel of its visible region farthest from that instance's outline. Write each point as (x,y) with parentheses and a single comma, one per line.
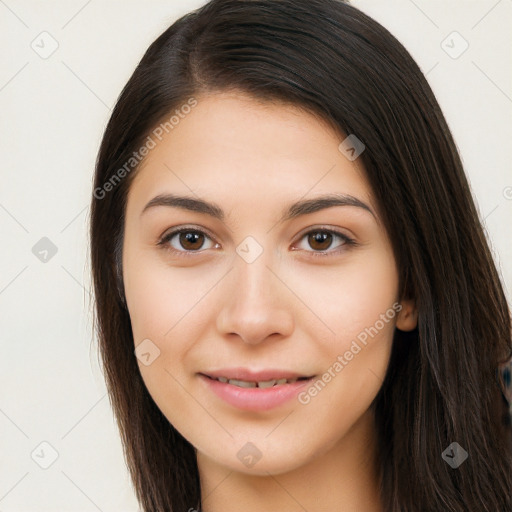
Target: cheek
(358,303)
(172,307)
(367,305)
(167,306)
(162,299)
(349,299)
(339,303)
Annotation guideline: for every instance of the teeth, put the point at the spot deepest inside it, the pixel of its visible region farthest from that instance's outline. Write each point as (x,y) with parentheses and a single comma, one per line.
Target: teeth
(266,383)
(242,383)
(260,384)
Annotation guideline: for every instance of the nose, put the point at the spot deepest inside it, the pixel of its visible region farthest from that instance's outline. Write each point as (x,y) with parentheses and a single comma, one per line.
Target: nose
(257,304)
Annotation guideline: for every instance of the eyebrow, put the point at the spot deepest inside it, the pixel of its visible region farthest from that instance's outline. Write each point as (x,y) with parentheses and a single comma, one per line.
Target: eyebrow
(303,207)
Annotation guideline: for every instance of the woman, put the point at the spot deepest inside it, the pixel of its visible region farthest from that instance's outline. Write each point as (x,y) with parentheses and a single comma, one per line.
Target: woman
(297,308)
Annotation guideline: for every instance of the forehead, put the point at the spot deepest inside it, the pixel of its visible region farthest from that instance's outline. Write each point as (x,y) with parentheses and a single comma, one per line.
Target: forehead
(232,147)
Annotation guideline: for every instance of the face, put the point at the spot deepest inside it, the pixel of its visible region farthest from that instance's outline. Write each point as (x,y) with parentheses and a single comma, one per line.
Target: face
(262,315)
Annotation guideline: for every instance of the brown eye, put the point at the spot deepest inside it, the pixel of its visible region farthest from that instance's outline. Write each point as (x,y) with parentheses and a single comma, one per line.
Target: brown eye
(191,240)
(320,240)
(183,241)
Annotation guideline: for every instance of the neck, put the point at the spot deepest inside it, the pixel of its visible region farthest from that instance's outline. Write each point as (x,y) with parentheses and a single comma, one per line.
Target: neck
(343,478)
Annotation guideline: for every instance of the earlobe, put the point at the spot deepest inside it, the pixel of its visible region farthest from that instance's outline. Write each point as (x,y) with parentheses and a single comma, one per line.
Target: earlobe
(407,318)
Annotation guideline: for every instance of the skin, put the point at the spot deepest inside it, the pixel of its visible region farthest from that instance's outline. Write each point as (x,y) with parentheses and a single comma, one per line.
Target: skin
(287,309)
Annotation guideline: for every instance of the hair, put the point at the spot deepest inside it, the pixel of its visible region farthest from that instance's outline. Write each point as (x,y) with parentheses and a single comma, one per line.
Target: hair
(332,60)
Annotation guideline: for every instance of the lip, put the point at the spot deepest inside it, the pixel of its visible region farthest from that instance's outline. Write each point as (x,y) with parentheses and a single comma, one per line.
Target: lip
(249,375)
(254,399)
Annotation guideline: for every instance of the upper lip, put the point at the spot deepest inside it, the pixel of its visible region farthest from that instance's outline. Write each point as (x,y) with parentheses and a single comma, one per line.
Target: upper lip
(254,376)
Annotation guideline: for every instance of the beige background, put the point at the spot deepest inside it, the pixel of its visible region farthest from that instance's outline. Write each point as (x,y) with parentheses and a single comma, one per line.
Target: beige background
(53,112)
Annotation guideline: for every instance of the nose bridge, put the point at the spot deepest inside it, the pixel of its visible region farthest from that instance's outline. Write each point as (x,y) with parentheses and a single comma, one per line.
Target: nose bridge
(254,307)
(253,281)
(252,266)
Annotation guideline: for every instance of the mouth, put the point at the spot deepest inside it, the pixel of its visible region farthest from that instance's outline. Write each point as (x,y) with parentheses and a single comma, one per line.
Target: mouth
(262,384)
(255,391)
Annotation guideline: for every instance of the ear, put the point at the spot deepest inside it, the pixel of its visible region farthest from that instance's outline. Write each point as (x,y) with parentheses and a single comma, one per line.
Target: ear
(407,318)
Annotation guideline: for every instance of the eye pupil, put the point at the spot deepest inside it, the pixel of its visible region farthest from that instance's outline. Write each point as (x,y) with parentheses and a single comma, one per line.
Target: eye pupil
(320,237)
(193,240)
(189,240)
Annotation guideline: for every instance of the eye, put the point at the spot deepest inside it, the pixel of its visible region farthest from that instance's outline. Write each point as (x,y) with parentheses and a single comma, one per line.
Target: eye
(322,239)
(185,240)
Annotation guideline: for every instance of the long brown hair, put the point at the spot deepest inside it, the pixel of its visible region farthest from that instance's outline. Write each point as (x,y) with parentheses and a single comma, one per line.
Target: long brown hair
(441,387)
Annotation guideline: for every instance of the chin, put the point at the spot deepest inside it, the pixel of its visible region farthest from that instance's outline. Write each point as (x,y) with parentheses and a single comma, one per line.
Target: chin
(261,457)
(272,464)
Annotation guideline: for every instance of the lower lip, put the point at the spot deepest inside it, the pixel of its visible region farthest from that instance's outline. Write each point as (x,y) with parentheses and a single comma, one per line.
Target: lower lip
(255,399)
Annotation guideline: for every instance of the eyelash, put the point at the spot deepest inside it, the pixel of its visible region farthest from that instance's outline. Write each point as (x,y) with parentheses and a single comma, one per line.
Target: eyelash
(163,242)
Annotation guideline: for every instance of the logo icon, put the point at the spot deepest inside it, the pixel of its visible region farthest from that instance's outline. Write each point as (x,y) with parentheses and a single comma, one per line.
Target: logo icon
(147,352)
(351,147)
(249,455)
(44,455)
(45,45)
(454,45)
(44,250)
(249,249)
(454,455)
